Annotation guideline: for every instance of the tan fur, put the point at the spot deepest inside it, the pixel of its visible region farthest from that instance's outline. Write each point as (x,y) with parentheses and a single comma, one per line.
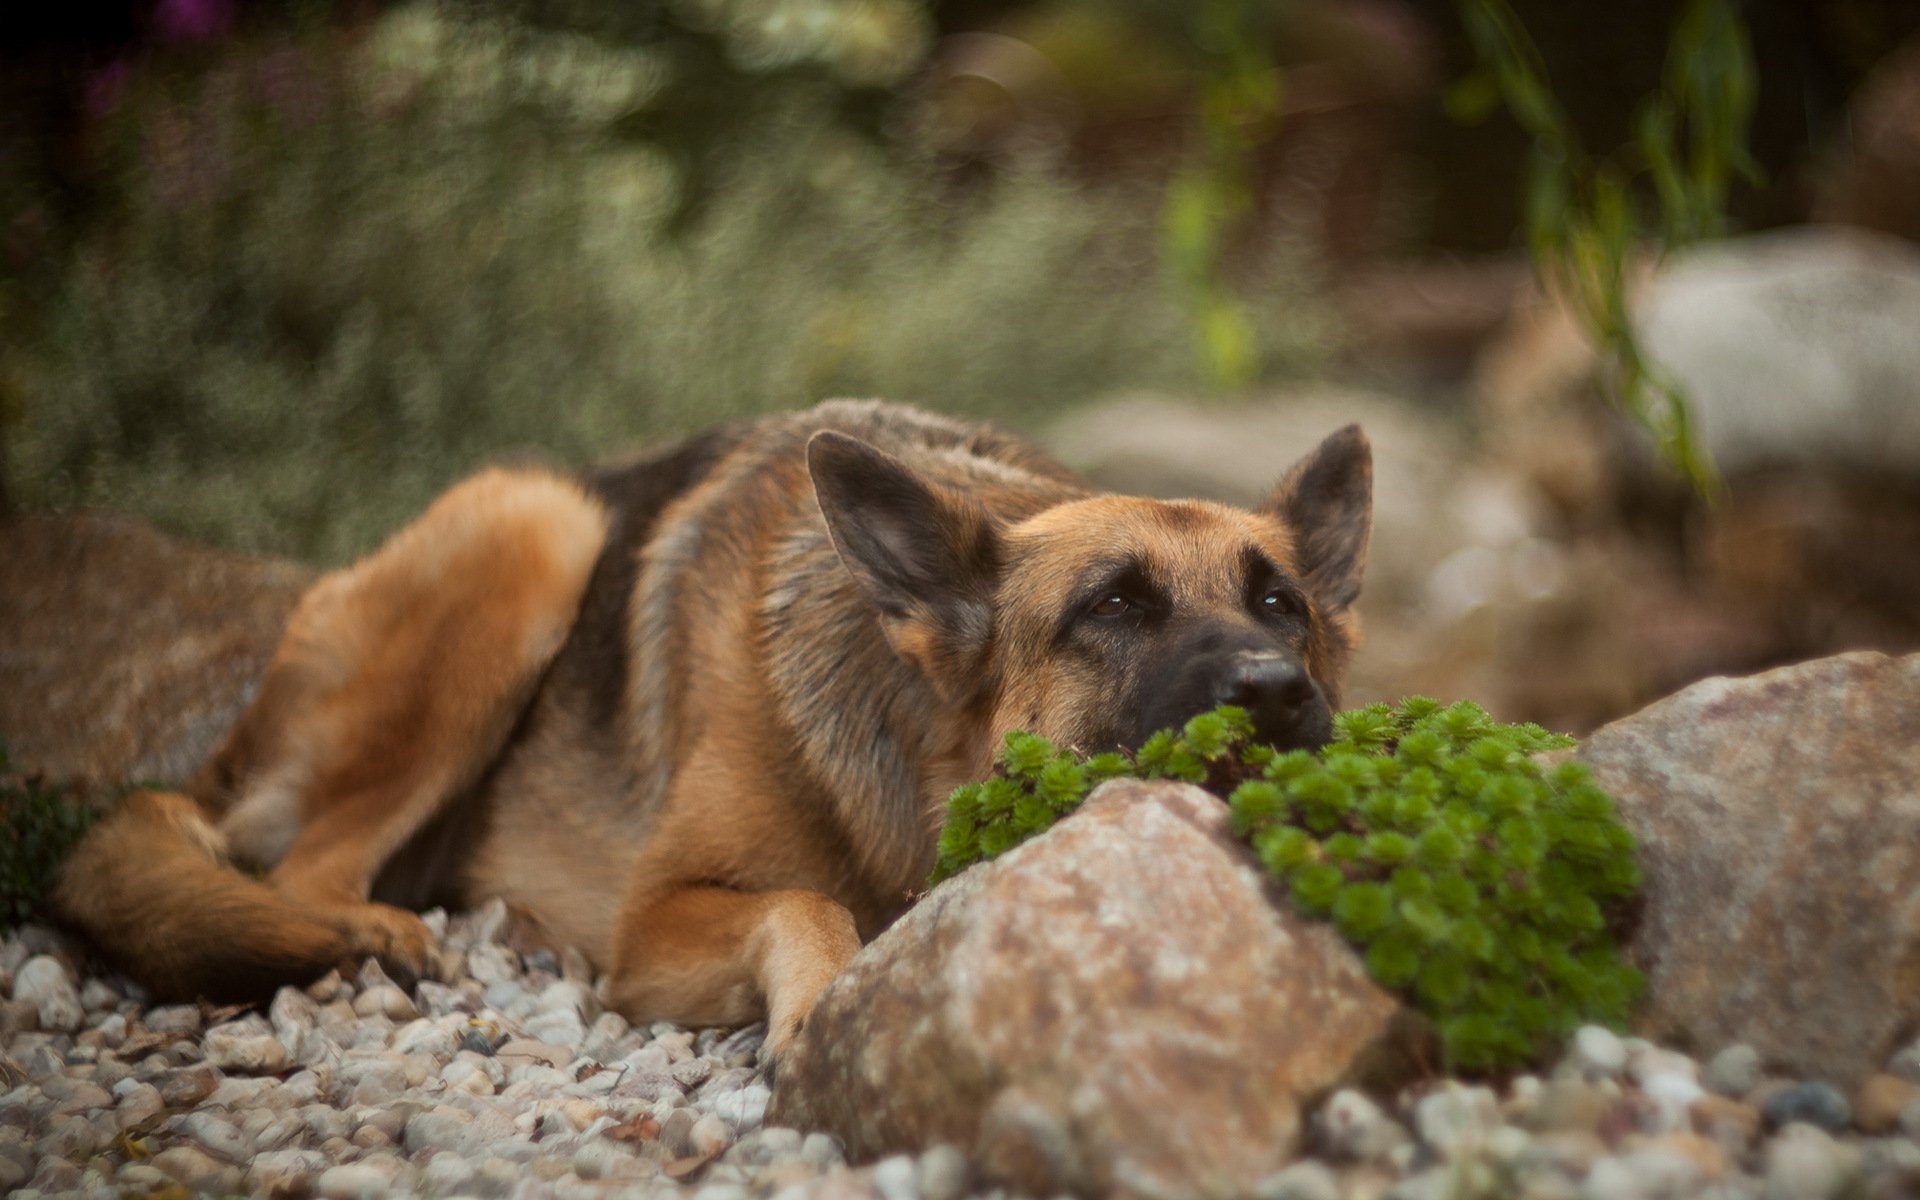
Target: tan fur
(697,717)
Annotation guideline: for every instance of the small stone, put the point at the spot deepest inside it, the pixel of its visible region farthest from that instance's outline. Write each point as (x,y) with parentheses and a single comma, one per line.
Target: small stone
(943,1173)
(43,982)
(1350,1126)
(325,1123)
(1803,1163)
(259,1054)
(111,1031)
(1645,1060)
(822,1150)
(187,1087)
(1640,1174)
(1877,1105)
(1906,1062)
(292,1013)
(1729,1122)
(55,1176)
(893,1178)
(1451,1120)
(84,1097)
(281,1172)
(561,1028)
(73,1138)
(426,1036)
(1810,1103)
(1598,1051)
(96,995)
(448,1174)
(1571,1106)
(744,1108)
(490,962)
(328,988)
(441,1128)
(710,1135)
(219,1138)
(196,1170)
(174,1019)
(1703,1152)
(1672,1097)
(352,1181)
(385,1000)
(140,1102)
(1734,1071)
(1305,1180)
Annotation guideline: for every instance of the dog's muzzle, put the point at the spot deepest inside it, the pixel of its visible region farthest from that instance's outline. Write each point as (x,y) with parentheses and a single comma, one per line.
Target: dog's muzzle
(1288,708)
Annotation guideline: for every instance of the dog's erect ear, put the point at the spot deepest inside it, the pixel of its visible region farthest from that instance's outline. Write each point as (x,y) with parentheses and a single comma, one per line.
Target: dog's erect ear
(1327,500)
(926,556)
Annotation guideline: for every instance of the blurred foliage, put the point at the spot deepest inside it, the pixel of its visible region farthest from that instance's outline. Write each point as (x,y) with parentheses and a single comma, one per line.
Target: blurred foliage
(1589,217)
(40,824)
(1240,91)
(329,272)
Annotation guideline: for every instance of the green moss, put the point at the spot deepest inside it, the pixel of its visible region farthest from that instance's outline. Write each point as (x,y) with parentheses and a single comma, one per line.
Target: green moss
(1471,878)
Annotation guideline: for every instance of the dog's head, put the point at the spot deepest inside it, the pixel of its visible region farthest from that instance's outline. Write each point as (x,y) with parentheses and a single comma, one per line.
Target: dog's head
(1101,619)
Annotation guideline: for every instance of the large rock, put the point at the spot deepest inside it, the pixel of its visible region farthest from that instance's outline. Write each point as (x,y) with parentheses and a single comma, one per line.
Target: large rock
(1779,827)
(1796,347)
(1121,1007)
(127,654)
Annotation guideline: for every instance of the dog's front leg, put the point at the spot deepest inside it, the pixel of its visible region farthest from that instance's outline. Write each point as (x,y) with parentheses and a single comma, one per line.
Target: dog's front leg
(703,955)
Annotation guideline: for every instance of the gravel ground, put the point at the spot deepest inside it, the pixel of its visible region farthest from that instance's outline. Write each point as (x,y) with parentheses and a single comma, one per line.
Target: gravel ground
(510,1081)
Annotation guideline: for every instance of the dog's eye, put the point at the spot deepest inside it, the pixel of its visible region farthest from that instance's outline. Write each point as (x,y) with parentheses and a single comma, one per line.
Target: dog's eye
(1114,605)
(1279,603)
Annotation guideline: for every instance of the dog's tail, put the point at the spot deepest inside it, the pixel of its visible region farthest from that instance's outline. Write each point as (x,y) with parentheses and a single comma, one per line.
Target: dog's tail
(152,887)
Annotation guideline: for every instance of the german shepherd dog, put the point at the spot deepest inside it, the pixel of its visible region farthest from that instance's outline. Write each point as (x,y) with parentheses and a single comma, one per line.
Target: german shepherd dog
(698,715)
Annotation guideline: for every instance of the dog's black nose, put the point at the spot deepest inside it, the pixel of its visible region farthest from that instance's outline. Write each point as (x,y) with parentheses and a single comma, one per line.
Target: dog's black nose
(1264,682)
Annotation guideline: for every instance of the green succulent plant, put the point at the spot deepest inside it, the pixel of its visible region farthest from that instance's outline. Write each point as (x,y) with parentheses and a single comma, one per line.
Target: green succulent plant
(1485,887)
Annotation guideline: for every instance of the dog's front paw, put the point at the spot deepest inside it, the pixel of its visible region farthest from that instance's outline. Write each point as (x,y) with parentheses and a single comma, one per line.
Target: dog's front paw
(399,939)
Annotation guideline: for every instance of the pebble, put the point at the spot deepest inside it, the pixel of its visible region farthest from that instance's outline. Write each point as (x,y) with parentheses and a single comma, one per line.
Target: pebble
(217,1137)
(174,1018)
(1455,1118)
(1906,1062)
(1804,1164)
(247,1045)
(352,1181)
(941,1173)
(1648,1174)
(1734,1071)
(1598,1051)
(1351,1127)
(517,1085)
(196,1170)
(43,982)
(1728,1122)
(1811,1103)
(1306,1180)
(1672,1098)
(1878,1103)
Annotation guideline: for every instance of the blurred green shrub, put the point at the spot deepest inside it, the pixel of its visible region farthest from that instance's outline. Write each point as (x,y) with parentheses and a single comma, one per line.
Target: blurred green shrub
(338,272)
(40,823)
